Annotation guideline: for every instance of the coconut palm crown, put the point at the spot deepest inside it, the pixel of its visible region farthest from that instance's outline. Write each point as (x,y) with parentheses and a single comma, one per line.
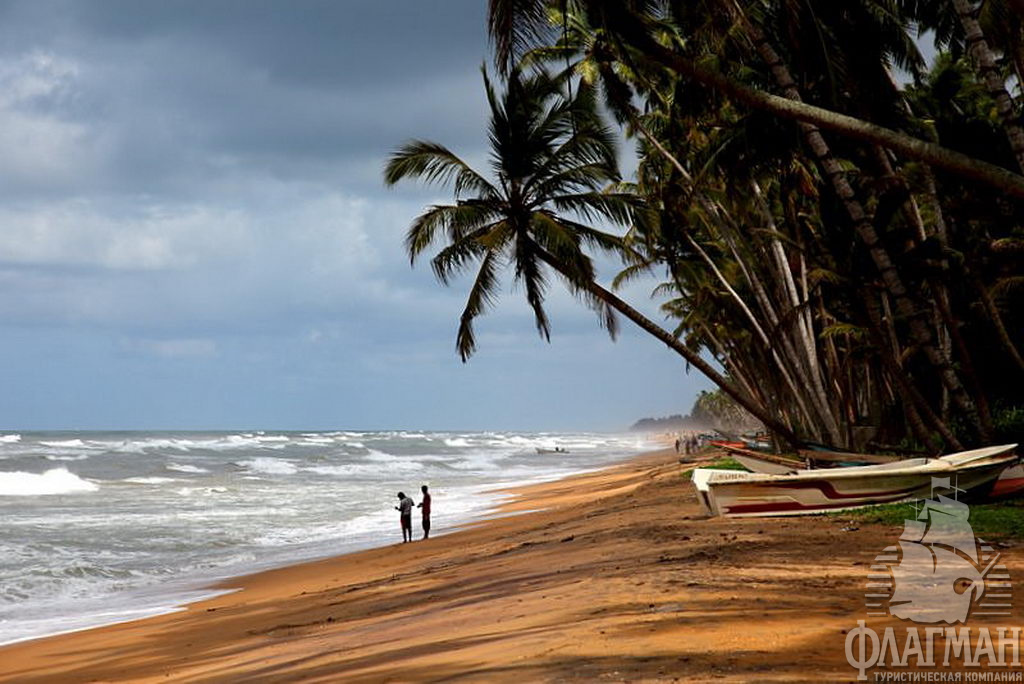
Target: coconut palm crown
(552,162)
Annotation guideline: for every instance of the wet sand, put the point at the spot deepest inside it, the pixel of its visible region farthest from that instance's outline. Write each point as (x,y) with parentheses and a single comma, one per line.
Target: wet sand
(609,576)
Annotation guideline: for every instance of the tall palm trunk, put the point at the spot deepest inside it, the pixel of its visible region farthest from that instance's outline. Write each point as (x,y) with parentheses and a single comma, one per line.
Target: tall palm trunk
(769,346)
(985,63)
(801,325)
(946,325)
(908,392)
(996,319)
(692,357)
(822,410)
(919,329)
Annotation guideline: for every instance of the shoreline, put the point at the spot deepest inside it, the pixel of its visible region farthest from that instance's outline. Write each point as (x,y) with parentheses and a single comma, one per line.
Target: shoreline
(611,574)
(177,594)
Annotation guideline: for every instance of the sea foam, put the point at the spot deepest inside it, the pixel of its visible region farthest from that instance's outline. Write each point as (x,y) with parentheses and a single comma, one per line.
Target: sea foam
(185,468)
(66,444)
(269,466)
(54,481)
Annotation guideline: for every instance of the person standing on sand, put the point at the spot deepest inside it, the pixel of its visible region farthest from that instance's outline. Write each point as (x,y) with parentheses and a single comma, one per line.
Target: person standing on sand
(425,505)
(404,509)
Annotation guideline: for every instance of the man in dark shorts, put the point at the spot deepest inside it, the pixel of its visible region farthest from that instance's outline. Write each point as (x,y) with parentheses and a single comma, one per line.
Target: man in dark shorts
(404,509)
(425,505)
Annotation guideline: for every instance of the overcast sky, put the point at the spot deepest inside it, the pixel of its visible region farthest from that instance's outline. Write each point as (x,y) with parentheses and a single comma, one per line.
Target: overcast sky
(194,233)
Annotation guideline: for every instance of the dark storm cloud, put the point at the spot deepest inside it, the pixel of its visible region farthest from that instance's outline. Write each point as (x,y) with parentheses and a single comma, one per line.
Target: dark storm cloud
(191,200)
(168,92)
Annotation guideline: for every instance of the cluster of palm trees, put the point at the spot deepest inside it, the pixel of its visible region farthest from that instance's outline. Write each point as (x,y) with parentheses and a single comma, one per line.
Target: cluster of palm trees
(839,225)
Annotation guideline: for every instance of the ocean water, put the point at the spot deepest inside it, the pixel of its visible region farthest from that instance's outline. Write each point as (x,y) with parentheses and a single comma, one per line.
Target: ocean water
(100,527)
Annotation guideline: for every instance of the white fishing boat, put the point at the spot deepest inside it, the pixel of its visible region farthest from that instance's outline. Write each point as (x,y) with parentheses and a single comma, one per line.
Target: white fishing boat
(735,493)
(541,451)
(1010,483)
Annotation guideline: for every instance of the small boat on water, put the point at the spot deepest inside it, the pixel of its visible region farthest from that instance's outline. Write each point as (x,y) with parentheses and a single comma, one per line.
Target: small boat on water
(557,450)
(735,493)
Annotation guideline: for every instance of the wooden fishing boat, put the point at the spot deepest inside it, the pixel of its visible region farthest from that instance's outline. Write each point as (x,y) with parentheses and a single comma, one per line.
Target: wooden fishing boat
(1010,483)
(757,444)
(724,443)
(762,462)
(738,494)
(826,458)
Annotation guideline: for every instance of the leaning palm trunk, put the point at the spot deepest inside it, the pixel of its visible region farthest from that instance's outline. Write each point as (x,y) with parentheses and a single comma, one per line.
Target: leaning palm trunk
(802,325)
(783,368)
(946,326)
(996,318)
(919,330)
(985,63)
(910,394)
(852,127)
(822,411)
(692,357)
(821,415)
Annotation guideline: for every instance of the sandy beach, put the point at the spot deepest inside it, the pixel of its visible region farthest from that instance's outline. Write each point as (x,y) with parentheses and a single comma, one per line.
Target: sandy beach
(608,576)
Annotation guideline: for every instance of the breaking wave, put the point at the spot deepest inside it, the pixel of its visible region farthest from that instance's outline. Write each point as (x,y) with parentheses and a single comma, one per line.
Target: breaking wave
(268,466)
(185,468)
(54,481)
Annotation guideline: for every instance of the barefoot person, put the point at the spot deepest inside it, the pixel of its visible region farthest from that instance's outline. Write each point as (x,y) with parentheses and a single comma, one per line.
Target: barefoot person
(404,509)
(425,505)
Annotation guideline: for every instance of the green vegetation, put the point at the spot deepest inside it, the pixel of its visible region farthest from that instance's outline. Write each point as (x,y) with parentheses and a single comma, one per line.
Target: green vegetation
(842,255)
(725,463)
(995,521)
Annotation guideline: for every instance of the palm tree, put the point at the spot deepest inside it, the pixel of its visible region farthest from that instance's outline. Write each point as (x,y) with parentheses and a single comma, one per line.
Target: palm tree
(552,159)
(939,17)
(517,25)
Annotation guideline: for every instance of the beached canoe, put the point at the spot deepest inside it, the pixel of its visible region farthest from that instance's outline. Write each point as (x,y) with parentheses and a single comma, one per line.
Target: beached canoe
(762,462)
(757,444)
(826,458)
(723,443)
(739,494)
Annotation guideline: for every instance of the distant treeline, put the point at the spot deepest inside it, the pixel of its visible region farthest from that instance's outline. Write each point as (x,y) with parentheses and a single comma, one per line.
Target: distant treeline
(668,424)
(711,410)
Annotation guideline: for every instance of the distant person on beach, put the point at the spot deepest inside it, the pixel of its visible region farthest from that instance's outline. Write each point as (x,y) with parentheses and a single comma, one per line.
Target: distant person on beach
(404,509)
(425,505)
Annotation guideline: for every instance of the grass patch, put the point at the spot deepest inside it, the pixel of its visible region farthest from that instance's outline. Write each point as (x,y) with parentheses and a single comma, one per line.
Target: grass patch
(725,463)
(1004,520)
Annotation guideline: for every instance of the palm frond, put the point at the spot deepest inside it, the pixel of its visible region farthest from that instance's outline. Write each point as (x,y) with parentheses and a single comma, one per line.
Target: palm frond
(435,163)
(481,297)
(457,220)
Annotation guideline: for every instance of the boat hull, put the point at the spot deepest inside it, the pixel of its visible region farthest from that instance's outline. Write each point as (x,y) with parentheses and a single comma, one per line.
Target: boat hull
(739,494)
(1009,484)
